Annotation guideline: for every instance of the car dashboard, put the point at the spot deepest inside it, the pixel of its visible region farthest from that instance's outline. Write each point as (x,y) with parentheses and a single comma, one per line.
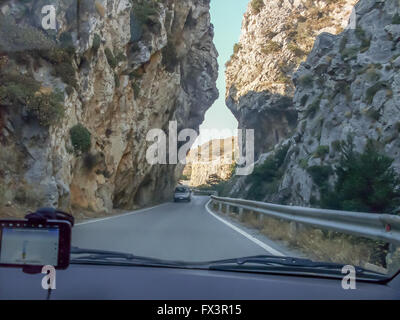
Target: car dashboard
(110,282)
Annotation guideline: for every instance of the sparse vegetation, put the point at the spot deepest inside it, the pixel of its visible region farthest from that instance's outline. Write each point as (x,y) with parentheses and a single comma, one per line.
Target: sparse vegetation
(313,108)
(366,182)
(336,145)
(257,5)
(96,43)
(320,175)
(266,178)
(321,152)
(372,91)
(136,89)
(145,10)
(116,80)
(112,61)
(47,107)
(169,57)
(43,104)
(271,47)
(396,19)
(296,50)
(306,80)
(319,245)
(236,48)
(350,53)
(373,114)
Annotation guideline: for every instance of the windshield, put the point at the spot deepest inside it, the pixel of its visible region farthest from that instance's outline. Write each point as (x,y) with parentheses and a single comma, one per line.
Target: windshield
(185,134)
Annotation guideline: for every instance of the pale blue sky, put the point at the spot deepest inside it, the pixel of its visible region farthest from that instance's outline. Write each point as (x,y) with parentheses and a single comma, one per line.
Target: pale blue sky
(227,16)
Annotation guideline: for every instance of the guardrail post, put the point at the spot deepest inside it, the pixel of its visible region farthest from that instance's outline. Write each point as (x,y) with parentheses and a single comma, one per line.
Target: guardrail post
(293,229)
(227,209)
(219,207)
(240,212)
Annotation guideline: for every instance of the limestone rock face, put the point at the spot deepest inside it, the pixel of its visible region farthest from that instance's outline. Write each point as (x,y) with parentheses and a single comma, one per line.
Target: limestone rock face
(212,160)
(123,67)
(348,86)
(276,37)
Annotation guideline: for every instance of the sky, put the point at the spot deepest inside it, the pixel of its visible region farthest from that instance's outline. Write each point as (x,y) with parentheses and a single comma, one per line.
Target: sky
(227,16)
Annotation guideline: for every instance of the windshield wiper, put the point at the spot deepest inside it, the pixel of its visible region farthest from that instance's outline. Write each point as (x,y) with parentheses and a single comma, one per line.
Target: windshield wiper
(93,255)
(286,264)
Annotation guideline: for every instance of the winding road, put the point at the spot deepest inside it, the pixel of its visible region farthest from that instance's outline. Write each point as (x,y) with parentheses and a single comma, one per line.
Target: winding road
(174,231)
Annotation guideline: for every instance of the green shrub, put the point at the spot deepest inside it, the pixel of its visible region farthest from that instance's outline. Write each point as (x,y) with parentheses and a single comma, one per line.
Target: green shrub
(321,152)
(145,10)
(296,50)
(372,91)
(136,89)
(17,90)
(18,37)
(236,48)
(271,47)
(396,19)
(67,74)
(96,43)
(80,138)
(169,57)
(116,80)
(62,61)
(303,100)
(306,80)
(266,177)
(47,108)
(336,145)
(350,53)
(112,61)
(366,182)
(373,114)
(66,41)
(120,56)
(313,108)
(343,43)
(320,174)
(22,91)
(135,75)
(303,163)
(257,5)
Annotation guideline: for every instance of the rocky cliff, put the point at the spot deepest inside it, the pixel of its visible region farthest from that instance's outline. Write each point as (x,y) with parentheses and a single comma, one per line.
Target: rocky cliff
(77,102)
(276,36)
(349,86)
(213,160)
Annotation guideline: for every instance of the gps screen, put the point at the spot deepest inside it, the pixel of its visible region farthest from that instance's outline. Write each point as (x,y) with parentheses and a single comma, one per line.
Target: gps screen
(36,246)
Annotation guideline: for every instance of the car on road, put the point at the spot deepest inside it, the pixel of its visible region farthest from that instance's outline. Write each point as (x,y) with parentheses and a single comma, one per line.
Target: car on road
(182,193)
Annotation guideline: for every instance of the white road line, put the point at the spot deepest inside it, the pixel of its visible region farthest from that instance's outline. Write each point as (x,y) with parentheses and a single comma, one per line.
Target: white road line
(266,247)
(120,215)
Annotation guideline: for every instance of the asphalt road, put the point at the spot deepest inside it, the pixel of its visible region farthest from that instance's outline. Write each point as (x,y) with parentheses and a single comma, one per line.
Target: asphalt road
(175,231)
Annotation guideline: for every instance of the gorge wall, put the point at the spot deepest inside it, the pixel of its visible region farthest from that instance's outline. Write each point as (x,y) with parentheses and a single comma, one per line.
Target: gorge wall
(76,103)
(213,160)
(276,37)
(349,86)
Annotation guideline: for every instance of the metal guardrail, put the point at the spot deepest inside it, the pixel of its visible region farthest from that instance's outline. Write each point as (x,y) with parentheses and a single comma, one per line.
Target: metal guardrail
(384,227)
(205,192)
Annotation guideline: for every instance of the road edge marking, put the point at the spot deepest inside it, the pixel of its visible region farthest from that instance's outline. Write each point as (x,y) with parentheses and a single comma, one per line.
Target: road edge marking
(245,234)
(119,215)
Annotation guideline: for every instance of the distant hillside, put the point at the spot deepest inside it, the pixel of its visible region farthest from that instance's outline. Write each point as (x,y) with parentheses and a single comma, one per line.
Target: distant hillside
(212,160)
